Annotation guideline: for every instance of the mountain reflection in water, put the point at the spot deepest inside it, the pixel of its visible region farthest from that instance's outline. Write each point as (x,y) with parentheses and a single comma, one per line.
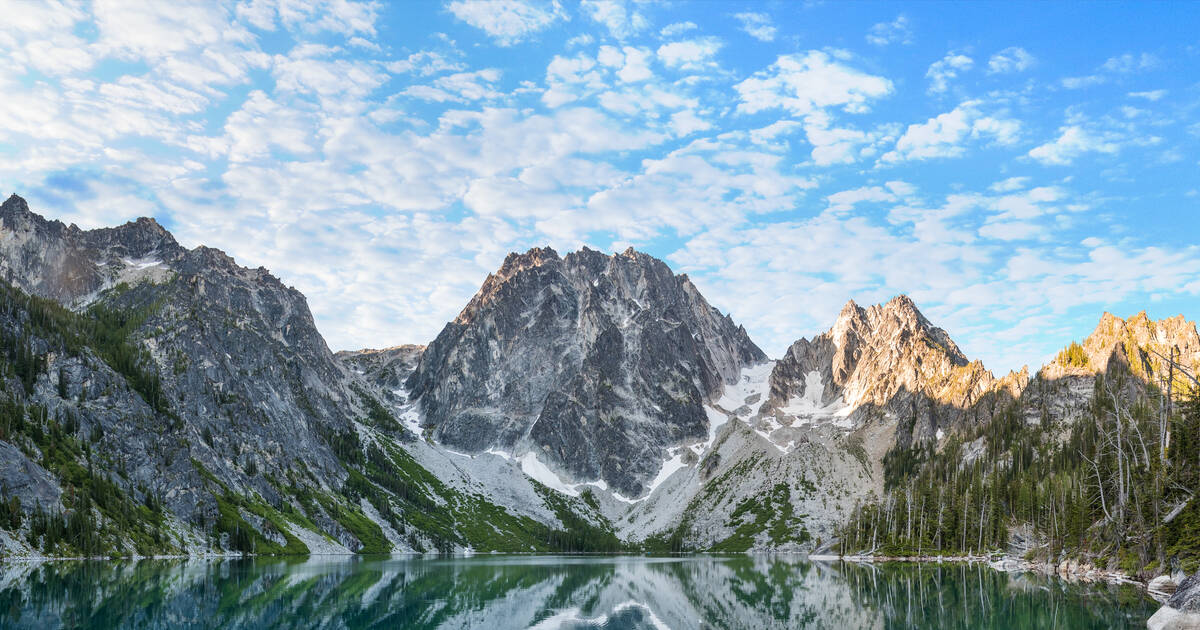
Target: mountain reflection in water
(552,592)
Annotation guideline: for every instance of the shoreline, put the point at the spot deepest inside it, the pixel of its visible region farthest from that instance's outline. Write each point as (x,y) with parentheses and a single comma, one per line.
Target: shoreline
(1071,571)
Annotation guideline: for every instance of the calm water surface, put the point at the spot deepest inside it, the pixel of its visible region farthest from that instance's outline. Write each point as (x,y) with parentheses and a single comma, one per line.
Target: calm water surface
(500,592)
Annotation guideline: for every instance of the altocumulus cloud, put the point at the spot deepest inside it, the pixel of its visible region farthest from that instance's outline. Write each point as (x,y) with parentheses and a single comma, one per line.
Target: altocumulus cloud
(383,158)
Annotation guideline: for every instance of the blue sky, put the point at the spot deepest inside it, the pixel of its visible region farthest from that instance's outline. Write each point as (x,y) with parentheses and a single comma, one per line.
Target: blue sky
(1017,168)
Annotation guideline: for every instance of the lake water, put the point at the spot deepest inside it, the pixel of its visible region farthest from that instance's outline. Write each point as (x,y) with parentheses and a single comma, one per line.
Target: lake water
(500,592)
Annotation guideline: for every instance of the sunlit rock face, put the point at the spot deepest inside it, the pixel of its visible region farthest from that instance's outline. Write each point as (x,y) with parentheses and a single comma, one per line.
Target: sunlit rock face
(594,363)
(884,363)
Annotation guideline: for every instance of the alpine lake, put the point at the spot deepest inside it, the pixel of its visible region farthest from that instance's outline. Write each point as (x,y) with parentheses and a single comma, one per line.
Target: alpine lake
(498,592)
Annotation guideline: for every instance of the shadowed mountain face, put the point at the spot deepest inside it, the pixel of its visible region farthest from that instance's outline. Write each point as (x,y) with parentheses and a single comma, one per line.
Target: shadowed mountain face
(595,363)
(237,378)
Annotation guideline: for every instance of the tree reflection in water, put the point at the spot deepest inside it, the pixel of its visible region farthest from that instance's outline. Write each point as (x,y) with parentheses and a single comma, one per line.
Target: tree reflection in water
(500,592)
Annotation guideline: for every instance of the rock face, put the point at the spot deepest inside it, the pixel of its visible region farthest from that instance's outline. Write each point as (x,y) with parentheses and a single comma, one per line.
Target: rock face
(594,363)
(242,368)
(1182,611)
(1132,353)
(882,363)
(388,368)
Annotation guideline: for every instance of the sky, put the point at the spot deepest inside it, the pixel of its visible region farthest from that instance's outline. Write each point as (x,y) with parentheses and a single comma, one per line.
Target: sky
(1016,168)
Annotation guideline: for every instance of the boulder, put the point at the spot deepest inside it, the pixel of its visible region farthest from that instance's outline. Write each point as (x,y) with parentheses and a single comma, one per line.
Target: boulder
(1182,611)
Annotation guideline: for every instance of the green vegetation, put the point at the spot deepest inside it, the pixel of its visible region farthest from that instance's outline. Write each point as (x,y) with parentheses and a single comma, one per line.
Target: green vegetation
(107,331)
(98,512)
(1073,356)
(772,513)
(417,504)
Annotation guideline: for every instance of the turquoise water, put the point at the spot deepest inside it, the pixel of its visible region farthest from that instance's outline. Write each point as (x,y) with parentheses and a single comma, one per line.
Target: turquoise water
(500,592)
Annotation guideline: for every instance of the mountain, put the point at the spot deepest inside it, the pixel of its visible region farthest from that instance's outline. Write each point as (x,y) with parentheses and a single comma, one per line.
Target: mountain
(160,399)
(885,363)
(591,365)
(1092,462)
(168,400)
(804,439)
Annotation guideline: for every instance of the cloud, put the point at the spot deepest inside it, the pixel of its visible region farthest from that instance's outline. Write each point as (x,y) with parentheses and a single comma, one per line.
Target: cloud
(846,200)
(1127,63)
(946,69)
(691,54)
(1076,83)
(424,63)
(295,135)
(1072,142)
(1152,95)
(508,22)
(803,83)
(621,20)
(676,29)
(757,25)
(460,87)
(898,31)
(946,135)
(1009,60)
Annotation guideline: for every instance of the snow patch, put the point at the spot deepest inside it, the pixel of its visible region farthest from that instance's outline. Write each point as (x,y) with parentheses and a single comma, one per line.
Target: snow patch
(138,264)
(808,407)
(536,470)
(500,454)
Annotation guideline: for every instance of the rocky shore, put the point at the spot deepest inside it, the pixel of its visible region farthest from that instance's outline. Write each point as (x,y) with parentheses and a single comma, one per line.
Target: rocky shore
(1182,610)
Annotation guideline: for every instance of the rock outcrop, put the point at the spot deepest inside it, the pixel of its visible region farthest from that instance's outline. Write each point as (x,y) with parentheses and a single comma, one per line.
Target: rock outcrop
(885,363)
(1182,611)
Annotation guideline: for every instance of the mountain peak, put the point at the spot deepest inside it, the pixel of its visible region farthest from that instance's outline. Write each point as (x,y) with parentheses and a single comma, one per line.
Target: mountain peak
(15,203)
(1140,335)
(535,257)
(593,364)
(903,303)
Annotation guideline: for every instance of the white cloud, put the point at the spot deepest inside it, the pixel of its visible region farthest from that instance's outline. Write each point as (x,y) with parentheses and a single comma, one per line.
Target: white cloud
(757,25)
(1072,142)
(677,28)
(946,135)
(898,31)
(1077,83)
(621,20)
(845,200)
(946,69)
(460,87)
(1152,95)
(1010,184)
(689,54)
(506,21)
(1129,62)
(807,82)
(425,63)
(686,122)
(1012,59)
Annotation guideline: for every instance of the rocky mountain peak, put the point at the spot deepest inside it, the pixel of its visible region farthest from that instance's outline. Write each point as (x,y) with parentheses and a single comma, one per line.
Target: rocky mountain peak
(617,357)
(537,256)
(1141,343)
(884,360)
